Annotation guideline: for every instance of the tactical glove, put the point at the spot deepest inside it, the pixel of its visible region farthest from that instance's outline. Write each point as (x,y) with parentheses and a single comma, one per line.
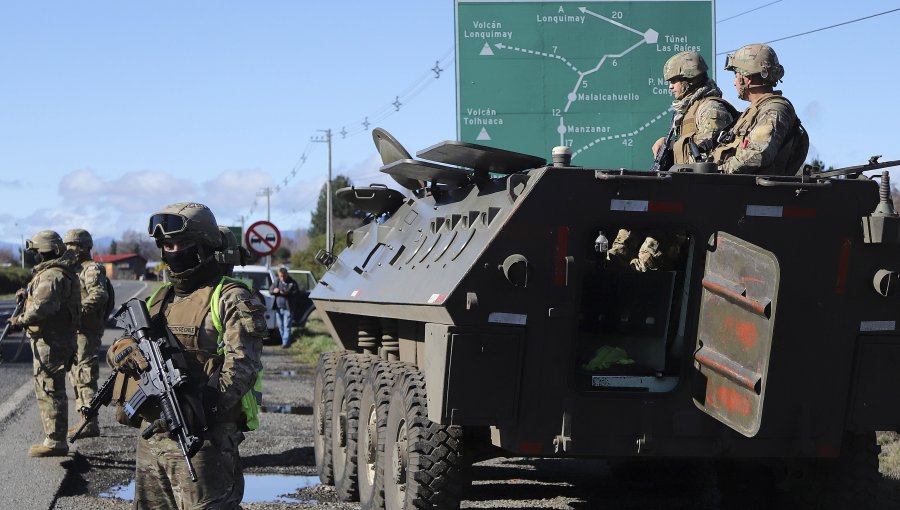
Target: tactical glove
(125,355)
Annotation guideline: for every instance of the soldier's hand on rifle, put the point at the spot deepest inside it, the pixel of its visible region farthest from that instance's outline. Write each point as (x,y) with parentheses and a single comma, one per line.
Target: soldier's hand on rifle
(13,321)
(658,144)
(125,355)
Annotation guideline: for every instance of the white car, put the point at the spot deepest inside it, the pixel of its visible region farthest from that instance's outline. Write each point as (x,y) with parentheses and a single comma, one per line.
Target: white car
(260,279)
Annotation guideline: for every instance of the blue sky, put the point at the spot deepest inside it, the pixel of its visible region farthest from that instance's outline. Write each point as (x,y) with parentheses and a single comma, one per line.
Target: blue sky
(110,110)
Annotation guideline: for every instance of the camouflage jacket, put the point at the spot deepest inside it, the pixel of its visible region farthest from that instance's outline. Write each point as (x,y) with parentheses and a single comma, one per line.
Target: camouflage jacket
(93,296)
(759,135)
(703,119)
(243,329)
(53,299)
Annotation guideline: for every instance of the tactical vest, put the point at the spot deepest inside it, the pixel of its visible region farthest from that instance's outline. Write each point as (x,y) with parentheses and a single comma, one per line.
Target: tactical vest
(745,124)
(68,318)
(681,149)
(204,354)
(94,322)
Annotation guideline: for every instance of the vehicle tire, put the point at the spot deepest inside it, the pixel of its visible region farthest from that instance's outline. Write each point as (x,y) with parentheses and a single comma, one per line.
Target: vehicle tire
(849,481)
(423,461)
(349,378)
(373,410)
(322,403)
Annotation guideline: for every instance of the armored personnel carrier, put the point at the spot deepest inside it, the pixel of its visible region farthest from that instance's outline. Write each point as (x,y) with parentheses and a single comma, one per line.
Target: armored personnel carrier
(484,314)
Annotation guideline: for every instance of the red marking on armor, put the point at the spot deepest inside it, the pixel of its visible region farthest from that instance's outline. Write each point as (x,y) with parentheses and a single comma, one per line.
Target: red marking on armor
(840,284)
(746,333)
(798,212)
(752,279)
(733,400)
(562,248)
(530,447)
(665,207)
(826,450)
(746,142)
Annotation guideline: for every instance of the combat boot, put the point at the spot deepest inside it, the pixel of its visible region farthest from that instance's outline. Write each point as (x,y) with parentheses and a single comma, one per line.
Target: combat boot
(92,430)
(648,258)
(39,450)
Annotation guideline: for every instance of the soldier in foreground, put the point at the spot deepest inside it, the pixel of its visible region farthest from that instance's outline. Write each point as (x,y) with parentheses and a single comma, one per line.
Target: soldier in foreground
(94,309)
(51,316)
(221,326)
(767,139)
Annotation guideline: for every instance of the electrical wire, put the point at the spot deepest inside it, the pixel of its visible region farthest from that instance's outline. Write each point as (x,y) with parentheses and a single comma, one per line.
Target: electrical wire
(818,29)
(747,12)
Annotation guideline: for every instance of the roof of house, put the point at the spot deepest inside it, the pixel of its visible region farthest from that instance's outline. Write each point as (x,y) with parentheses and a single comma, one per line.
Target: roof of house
(116,258)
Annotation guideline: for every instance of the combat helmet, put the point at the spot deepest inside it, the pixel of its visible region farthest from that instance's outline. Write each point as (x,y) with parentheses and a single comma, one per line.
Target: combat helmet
(185,221)
(756,59)
(231,254)
(46,241)
(80,237)
(687,65)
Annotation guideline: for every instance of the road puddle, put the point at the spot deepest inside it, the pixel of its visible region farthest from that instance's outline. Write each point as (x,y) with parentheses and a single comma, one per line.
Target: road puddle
(287,409)
(257,489)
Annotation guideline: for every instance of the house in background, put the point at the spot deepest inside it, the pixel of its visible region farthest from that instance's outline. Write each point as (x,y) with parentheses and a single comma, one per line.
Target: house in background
(126,266)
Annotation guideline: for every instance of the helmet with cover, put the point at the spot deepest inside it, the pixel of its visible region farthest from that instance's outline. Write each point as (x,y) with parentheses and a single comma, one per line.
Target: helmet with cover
(80,237)
(47,244)
(193,228)
(754,59)
(687,65)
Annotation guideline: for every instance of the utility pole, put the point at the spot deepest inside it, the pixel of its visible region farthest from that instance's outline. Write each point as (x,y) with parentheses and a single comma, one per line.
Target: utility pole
(329,237)
(266,192)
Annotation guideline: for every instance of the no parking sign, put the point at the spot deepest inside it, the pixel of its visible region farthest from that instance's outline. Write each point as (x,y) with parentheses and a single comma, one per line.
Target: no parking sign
(262,238)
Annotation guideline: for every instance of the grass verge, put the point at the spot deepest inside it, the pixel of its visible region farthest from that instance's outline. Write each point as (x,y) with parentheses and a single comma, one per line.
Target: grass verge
(312,340)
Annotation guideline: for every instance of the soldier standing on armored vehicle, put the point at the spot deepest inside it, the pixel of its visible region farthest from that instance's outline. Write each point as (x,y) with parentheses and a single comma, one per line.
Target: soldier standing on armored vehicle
(94,309)
(51,315)
(767,139)
(700,114)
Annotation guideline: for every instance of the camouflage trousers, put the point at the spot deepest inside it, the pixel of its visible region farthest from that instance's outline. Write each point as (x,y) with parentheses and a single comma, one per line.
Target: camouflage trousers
(86,368)
(162,480)
(52,355)
(626,252)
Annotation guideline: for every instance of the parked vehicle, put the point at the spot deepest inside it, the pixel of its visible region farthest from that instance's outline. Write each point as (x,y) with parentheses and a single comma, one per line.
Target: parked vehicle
(302,305)
(260,279)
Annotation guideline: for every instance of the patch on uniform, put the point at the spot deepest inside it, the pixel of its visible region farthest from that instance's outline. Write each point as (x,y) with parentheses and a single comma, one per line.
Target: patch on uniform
(253,317)
(183,330)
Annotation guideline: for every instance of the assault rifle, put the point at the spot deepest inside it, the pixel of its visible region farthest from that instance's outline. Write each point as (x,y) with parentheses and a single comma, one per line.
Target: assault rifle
(850,171)
(20,303)
(102,397)
(665,157)
(161,382)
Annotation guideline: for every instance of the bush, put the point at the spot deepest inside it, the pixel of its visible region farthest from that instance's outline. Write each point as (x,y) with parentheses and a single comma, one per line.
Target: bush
(13,279)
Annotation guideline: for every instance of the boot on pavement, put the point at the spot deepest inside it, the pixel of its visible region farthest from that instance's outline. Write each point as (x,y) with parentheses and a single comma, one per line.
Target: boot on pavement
(39,450)
(92,430)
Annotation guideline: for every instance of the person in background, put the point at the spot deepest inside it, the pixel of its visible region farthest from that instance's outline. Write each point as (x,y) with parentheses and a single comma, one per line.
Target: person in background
(284,290)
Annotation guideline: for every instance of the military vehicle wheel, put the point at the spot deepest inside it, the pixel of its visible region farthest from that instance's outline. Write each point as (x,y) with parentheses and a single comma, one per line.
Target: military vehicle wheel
(322,403)
(373,410)
(423,461)
(850,481)
(351,369)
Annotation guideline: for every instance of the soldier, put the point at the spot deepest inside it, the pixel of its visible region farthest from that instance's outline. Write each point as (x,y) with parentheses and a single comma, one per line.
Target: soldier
(94,309)
(700,112)
(51,316)
(700,115)
(221,326)
(767,138)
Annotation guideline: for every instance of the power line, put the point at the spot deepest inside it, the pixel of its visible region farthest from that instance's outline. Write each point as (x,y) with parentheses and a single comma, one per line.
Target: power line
(747,12)
(819,29)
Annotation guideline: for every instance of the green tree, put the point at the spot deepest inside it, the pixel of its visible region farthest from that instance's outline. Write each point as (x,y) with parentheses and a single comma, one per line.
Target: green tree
(340,208)
(113,247)
(282,254)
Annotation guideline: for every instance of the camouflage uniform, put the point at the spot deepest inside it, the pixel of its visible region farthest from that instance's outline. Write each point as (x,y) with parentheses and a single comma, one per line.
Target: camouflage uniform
(702,113)
(51,316)
(762,140)
(161,476)
(86,368)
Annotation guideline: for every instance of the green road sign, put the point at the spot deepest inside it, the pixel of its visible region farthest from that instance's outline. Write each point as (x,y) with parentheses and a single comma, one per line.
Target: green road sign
(532,75)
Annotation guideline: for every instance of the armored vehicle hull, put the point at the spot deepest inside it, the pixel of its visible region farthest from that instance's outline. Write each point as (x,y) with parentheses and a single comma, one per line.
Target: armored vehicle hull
(494,307)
